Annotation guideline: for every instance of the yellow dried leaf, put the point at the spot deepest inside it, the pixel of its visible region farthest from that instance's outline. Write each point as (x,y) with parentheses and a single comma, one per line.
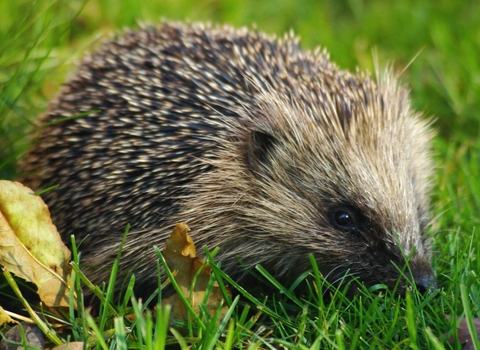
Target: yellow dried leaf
(4,318)
(30,246)
(75,345)
(180,255)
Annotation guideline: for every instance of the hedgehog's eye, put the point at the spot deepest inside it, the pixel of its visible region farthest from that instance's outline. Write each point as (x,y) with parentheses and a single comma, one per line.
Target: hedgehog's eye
(345,219)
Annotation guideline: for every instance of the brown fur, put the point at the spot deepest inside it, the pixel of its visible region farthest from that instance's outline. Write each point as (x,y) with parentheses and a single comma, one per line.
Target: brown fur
(255,143)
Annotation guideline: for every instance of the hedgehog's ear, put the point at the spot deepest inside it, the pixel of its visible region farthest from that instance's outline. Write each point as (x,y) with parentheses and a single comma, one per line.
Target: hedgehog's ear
(260,150)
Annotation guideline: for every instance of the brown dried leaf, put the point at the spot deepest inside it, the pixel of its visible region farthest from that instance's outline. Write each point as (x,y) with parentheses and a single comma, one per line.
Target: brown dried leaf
(464,335)
(31,247)
(28,331)
(180,255)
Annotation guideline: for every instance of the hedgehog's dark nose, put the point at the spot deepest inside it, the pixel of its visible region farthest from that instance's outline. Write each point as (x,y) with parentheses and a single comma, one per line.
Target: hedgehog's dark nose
(425,281)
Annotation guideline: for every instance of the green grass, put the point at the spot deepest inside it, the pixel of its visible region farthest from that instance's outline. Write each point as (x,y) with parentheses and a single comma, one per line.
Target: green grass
(39,42)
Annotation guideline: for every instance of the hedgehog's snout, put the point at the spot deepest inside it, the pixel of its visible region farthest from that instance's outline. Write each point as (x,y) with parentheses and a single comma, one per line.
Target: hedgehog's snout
(425,280)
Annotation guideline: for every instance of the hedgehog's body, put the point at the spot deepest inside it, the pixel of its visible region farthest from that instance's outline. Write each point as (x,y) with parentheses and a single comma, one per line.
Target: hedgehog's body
(265,150)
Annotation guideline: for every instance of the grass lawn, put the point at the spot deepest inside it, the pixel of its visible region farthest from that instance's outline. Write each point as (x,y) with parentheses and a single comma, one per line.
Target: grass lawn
(437,46)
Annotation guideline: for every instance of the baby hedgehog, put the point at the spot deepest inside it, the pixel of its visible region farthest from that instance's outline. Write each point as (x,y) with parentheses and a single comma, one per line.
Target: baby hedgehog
(267,151)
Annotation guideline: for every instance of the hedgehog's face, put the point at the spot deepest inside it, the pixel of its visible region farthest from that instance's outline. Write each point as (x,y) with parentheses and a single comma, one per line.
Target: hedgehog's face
(353,194)
(373,252)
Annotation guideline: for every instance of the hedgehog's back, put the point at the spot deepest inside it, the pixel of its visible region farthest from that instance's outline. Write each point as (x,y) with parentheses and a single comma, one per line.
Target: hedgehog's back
(140,113)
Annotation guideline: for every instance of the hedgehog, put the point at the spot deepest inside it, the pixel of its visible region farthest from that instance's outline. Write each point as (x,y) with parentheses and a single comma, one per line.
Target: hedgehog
(268,151)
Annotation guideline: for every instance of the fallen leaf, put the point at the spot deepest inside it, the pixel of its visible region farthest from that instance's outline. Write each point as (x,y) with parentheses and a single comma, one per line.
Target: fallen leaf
(74,345)
(4,318)
(30,246)
(30,332)
(464,335)
(180,255)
